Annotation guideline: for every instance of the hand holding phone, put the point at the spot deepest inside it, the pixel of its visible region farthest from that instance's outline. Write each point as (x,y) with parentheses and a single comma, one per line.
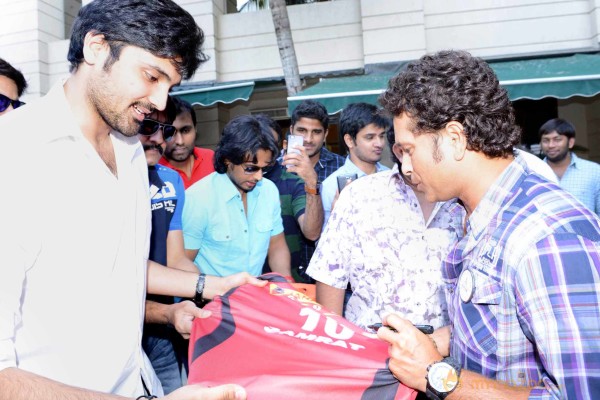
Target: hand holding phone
(292,142)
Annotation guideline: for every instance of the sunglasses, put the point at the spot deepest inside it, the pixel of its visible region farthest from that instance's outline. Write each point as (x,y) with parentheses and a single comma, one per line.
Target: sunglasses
(252,169)
(7,101)
(149,127)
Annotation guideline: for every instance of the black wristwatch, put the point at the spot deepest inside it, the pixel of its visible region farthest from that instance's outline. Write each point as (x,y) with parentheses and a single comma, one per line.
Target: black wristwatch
(198,299)
(442,378)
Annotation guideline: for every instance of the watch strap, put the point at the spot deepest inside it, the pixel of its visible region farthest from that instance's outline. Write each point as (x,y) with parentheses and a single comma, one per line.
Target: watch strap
(312,190)
(198,299)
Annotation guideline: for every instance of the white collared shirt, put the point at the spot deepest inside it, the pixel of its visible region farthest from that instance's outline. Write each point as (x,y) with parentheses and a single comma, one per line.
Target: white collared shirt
(73,250)
(378,241)
(329,187)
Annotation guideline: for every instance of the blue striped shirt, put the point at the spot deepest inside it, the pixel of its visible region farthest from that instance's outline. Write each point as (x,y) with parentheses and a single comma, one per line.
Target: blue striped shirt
(582,180)
(533,319)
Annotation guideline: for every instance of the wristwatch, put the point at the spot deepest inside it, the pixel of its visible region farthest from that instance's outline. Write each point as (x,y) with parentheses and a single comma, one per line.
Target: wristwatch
(442,378)
(314,191)
(198,300)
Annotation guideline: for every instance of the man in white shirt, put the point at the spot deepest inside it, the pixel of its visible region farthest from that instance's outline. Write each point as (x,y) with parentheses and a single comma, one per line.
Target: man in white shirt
(73,275)
(388,241)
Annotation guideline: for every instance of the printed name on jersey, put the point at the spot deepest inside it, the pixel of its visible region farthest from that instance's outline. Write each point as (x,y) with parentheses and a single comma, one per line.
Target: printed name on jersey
(337,334)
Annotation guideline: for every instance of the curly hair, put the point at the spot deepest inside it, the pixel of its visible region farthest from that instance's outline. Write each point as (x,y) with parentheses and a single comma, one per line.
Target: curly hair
(455,86)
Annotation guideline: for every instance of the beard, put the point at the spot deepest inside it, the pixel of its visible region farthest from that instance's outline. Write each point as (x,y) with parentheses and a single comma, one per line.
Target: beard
(176,153)
(559,157)
(105,101)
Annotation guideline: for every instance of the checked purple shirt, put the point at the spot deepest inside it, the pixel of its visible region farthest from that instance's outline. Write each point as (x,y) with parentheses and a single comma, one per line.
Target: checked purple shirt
(533,318)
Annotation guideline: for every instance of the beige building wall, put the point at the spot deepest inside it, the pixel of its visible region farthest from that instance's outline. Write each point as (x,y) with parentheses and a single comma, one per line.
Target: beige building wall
(338,36)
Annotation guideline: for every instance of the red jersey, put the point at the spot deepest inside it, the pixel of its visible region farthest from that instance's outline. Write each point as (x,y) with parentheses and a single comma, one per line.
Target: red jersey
(279,344)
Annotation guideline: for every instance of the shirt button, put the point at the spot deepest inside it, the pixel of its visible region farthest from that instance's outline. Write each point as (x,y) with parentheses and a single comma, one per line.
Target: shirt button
(246,230)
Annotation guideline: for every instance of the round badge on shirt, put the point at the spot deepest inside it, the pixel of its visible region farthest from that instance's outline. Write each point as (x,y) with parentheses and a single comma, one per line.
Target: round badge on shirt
(466,286)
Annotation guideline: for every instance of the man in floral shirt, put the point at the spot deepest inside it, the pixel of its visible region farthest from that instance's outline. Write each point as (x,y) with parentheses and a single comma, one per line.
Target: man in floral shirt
(388,241)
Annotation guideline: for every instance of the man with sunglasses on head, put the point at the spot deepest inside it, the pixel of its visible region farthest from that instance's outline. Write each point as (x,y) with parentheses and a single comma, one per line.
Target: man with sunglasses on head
(12,86)
(232,218)
(75,270)
(167,199)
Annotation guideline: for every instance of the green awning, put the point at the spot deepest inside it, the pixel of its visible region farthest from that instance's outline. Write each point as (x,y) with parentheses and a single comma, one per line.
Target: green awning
(558,77)
(219,93)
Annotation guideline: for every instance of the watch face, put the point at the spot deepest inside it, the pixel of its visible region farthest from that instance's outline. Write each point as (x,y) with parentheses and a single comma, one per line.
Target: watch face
(442,377)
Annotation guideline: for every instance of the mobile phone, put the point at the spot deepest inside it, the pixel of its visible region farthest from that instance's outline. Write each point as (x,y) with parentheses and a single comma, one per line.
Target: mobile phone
(426,329)
(293,141)
(343,180)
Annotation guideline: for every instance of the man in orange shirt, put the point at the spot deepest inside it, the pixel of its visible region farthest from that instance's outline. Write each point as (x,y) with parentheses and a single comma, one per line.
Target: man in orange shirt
(192,163)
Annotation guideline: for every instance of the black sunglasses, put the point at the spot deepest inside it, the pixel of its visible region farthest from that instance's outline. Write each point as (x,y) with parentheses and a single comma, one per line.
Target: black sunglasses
(149,127)
(7,101)
(252,169)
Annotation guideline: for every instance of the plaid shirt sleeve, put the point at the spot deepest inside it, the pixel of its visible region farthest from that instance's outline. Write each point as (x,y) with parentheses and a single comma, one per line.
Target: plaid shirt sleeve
(557,301)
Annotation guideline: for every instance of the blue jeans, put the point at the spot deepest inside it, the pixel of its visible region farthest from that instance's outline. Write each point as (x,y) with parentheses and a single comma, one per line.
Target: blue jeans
(157,342)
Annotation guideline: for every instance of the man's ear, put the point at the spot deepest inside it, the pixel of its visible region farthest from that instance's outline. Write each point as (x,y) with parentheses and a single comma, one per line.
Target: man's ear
(455,134)
(571,142)
(95,48)
(348,140)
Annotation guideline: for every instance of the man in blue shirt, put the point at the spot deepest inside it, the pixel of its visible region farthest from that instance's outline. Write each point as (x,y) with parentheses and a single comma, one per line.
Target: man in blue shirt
(577,176)
(363,131)
(164,344)
(232,217)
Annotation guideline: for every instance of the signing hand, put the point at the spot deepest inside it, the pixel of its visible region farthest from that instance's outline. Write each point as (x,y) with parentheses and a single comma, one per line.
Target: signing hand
(411,352)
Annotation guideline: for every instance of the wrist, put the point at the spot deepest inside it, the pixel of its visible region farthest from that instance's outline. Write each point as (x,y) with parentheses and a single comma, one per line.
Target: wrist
(315,191)
(312,180)
(313,183)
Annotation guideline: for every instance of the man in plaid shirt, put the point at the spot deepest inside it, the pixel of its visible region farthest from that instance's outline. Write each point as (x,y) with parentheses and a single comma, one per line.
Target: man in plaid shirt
(310,120)
(523,285)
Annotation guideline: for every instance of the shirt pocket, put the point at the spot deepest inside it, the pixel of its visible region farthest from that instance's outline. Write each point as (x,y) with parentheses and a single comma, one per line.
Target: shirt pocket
(221,234)
(478,323)
(264,227)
